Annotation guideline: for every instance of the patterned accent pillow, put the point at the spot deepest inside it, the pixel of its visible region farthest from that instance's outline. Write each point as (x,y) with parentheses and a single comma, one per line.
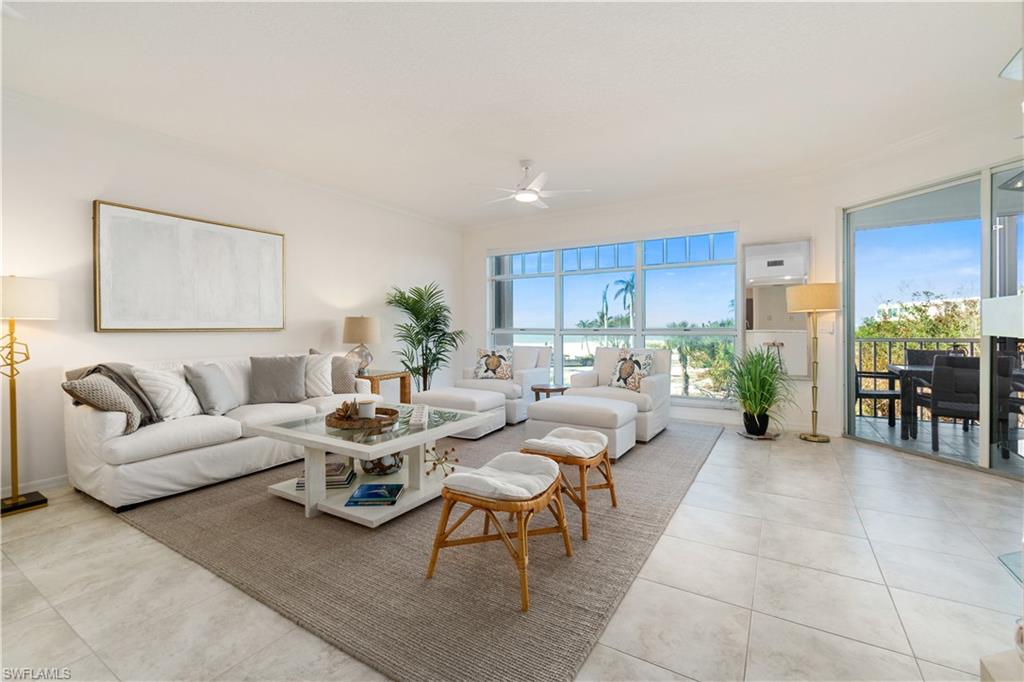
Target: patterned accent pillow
(494,364)
(343,372)
(318,376)
(100,392)
(170,395)
(631,368)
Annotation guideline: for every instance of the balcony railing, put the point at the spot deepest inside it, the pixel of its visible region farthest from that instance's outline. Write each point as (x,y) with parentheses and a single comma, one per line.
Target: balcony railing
(876,354)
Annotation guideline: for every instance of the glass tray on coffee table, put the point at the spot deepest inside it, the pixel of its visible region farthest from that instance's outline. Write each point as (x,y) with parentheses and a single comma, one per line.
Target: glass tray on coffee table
(359,445)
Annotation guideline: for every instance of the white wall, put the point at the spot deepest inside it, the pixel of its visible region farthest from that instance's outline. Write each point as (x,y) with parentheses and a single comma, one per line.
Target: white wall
(342,255)
(768,211)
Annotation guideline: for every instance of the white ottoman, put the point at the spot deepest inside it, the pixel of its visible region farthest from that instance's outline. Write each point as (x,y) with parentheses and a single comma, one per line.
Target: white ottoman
(471,400)
(616,419)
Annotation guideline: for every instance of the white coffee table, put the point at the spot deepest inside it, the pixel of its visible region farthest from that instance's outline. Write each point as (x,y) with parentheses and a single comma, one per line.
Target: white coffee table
(318,439)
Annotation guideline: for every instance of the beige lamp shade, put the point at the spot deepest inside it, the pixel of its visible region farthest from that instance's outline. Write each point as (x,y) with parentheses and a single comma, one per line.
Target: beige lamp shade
(361,330)
(28,298)
(809,298)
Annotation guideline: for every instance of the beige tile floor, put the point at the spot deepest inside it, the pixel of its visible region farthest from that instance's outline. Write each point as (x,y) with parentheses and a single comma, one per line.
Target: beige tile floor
(784,561)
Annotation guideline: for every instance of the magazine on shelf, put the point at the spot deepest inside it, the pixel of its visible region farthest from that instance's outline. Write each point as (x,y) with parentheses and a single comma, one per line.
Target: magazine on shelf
(376,495)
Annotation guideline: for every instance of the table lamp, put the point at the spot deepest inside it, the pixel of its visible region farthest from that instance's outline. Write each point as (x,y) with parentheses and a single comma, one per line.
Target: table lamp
(814,299)
(21,298)
(361,330)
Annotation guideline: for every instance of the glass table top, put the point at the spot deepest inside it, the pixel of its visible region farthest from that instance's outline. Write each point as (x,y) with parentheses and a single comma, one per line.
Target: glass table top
(317,426)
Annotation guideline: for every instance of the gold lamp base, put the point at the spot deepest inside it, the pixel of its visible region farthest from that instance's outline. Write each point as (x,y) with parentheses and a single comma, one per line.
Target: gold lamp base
(815,437)
(23,503)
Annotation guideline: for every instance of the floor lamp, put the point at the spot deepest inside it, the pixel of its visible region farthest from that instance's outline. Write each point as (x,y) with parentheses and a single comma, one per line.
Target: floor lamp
(814,299)
(21,298)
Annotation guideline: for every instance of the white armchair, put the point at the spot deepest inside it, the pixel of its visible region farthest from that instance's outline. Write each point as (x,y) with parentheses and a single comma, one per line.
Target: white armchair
(530,365)
(652,401)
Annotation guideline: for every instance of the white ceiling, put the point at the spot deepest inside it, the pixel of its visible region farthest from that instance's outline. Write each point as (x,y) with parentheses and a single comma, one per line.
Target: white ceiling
(422,107)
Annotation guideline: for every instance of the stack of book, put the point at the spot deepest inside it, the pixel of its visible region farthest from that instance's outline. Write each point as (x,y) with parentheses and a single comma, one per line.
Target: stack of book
(376,495)
(339,475)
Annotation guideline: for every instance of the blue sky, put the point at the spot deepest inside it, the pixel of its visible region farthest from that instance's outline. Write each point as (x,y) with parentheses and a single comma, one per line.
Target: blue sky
(894,262)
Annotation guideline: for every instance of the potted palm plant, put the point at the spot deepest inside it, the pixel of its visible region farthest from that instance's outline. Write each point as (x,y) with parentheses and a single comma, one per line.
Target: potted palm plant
(760,384)
(428,337)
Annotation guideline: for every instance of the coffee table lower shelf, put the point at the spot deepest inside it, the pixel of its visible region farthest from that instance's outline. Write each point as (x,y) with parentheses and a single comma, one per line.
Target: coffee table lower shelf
(371,517)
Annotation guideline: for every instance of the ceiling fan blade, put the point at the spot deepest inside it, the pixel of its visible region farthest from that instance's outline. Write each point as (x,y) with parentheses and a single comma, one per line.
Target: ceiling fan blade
(556,192)
(510,190)
(540,204)
(538,182)
(494,201)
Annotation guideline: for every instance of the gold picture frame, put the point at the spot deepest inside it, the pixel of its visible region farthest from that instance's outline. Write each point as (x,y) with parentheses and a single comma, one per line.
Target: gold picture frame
(99,256)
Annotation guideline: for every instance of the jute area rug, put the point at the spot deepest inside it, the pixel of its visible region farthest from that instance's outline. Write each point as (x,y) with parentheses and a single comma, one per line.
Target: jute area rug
(365,590)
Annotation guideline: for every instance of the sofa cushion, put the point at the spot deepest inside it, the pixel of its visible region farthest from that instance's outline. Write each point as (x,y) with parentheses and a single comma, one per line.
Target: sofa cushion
(510,390)
(469,399)
(584,411)
(329,403)
(279,379)
(164,438)
(212,388)
(524,357)
(269,413)
(643,401)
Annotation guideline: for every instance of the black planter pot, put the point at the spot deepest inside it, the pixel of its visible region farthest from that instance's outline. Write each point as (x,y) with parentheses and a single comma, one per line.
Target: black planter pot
(755,424)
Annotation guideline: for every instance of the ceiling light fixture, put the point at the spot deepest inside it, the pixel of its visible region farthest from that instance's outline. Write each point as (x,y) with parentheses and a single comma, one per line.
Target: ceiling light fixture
(527,196)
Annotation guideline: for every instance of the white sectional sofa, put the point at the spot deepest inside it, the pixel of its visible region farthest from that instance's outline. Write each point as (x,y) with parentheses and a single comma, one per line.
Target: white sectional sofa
(652,401)
(174,456)
(530,365)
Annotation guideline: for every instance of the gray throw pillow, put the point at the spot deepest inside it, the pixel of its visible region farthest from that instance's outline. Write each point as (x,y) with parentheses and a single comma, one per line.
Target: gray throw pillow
(100,392)
(280,379)
(343,372)
(212,388)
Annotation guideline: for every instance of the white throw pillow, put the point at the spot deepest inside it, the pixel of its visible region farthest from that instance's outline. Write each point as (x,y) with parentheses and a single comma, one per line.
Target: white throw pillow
(318,376)
(169,392)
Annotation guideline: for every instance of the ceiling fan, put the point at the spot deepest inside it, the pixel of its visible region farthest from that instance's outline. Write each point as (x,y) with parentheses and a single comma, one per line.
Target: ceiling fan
(532,191)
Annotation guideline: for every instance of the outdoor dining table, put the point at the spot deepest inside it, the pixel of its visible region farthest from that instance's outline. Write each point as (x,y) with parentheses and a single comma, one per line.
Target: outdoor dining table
(907,373)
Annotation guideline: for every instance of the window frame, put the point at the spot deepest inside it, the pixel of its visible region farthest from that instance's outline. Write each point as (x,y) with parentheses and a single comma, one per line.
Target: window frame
(639,330)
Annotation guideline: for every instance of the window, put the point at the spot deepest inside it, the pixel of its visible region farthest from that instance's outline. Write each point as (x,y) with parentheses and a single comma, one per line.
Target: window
(599,300)
(677,293)
(689,298)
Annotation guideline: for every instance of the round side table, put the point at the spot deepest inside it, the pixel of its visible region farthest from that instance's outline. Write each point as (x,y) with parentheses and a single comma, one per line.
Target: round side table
(547,389)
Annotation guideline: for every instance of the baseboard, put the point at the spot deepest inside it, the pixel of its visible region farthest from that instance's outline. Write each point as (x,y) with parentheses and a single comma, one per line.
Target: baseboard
(41,484)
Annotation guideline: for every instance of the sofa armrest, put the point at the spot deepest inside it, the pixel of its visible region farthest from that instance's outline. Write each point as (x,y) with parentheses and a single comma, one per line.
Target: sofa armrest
(467,372)
(586,379)
(87,429)
(528,377)
(362,386)
(658,386)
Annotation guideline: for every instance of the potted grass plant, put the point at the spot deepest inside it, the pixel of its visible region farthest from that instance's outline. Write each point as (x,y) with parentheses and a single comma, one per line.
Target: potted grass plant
(759,382)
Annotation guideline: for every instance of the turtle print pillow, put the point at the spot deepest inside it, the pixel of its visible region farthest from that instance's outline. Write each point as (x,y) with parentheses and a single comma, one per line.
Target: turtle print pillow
(494,364)
(631,368)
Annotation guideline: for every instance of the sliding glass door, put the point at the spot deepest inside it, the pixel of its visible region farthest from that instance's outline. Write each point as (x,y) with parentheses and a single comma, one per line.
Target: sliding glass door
(914,279)
(927,371)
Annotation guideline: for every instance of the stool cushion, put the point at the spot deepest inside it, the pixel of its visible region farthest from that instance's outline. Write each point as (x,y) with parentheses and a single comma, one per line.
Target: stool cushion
(471,399)
(568,441)
(580,411)
(509,476)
